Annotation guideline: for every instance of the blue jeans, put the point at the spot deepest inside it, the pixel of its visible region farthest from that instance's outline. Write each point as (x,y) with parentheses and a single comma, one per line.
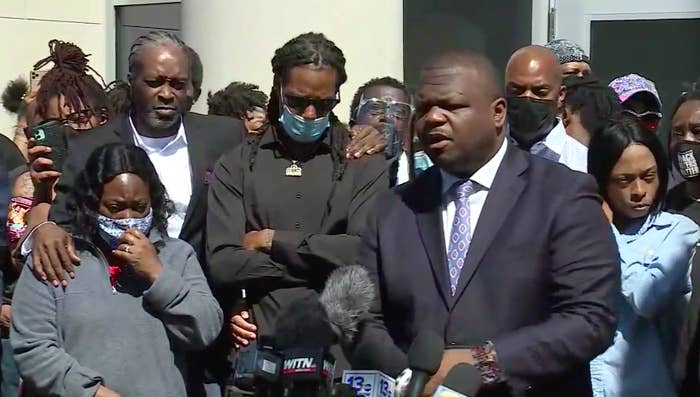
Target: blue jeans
(8,370)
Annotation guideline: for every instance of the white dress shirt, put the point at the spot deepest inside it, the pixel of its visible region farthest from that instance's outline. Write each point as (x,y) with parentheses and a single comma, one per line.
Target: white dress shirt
(171,160)
(402,176)
(572,153)
(483,178)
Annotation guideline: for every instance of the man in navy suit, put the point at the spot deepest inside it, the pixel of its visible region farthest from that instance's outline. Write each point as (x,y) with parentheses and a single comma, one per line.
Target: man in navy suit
(507,255)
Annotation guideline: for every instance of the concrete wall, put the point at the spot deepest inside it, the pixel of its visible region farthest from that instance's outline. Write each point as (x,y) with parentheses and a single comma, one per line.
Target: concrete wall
(26,26)
(237,39)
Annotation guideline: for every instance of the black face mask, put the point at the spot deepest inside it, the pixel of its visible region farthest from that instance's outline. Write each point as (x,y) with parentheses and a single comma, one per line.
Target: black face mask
(686,157)
(530,119)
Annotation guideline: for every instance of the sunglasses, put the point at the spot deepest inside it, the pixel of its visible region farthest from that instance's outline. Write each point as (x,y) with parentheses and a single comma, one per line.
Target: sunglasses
(299,104)
(649,120)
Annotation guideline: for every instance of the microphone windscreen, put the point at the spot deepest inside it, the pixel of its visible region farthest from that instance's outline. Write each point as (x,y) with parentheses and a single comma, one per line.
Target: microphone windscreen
(463,378)
(304,323)
(426,351)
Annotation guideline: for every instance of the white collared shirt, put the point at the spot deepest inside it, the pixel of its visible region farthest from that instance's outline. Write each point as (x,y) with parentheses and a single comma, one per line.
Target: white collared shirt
(572,153)
(171,160)
(483,178)
(402,175)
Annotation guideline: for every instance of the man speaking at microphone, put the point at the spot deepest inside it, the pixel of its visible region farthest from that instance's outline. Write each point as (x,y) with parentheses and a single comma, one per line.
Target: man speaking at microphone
(507,255)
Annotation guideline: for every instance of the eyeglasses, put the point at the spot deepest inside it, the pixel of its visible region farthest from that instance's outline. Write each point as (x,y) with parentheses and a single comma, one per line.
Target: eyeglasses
(376,107)
(299,104)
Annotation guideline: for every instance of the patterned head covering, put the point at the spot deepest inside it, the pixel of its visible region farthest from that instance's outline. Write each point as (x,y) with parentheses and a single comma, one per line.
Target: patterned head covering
(626,86)
(567,51)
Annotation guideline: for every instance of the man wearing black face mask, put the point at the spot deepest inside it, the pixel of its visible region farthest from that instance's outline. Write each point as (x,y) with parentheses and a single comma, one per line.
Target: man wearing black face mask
(535,94)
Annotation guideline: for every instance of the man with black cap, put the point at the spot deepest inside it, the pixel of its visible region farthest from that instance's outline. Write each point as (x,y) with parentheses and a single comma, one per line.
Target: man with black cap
(572,58)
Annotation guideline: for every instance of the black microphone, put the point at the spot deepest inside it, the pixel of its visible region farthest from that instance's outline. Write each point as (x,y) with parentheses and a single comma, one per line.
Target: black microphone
(424,359)
(307,329)
(463,380)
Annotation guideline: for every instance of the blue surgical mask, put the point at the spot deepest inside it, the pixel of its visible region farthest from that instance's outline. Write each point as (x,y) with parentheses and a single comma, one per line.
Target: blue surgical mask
(301,129)
(421,162)
(111,229)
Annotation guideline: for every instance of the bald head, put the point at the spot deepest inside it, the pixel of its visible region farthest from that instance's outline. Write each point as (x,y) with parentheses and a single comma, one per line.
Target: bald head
(450,63)
(534,60)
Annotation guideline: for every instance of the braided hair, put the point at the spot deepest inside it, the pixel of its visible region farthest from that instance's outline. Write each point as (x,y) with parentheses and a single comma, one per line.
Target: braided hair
(236,99)
(155,39)
(596,102)
(316,50)
(119,96)
(381,81)
(69,78)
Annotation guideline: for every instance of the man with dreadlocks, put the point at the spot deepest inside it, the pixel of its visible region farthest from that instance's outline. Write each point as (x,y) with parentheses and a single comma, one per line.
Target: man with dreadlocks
(243,101)
(288,208)
(182,146)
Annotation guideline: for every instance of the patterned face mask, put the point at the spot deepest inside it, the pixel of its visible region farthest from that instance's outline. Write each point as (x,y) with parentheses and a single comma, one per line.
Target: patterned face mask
(111,229)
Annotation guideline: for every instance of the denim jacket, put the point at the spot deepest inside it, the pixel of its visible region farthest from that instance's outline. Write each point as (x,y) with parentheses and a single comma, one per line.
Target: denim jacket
(655,256)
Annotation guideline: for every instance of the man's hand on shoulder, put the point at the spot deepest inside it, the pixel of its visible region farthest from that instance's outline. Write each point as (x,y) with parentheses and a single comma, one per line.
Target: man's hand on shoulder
(53,254)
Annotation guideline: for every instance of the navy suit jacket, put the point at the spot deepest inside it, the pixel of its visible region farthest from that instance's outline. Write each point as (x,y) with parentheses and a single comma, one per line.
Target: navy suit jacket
(541,277)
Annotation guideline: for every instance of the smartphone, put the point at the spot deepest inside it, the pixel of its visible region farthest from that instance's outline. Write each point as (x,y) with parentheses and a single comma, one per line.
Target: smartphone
(53,135)
(35,77)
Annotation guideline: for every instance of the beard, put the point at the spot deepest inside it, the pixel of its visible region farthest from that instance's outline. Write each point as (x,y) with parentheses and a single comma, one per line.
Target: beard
(161,123)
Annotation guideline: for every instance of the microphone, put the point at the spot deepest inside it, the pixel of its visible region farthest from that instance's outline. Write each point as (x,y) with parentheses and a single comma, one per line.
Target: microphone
(463,380)
(424,359)
(370,383)
(347,296)
(343,390)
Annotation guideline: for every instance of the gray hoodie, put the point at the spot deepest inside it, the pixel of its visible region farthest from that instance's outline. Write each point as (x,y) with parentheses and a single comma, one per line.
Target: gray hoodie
(131,338)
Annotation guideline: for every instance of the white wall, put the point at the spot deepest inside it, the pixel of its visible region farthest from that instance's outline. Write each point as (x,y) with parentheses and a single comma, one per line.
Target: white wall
(237,39)
(26,26)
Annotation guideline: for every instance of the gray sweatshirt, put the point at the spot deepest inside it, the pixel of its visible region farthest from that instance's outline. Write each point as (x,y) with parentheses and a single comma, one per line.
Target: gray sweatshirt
(131,338)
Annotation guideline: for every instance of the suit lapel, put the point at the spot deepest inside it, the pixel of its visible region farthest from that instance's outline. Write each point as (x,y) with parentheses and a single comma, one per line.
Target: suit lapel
(428,210)
(124,131)
(197,150)
(505,192)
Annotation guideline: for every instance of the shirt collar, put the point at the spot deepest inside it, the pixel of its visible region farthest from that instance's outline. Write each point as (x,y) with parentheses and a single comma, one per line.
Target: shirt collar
(483,177)
(556,139)
(181,137)
(657,220)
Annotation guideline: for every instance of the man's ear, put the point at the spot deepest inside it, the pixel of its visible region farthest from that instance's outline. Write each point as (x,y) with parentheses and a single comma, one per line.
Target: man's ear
(499,109)
(562,95)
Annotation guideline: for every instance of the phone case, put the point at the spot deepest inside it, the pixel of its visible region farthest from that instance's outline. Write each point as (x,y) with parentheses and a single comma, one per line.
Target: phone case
(53,135)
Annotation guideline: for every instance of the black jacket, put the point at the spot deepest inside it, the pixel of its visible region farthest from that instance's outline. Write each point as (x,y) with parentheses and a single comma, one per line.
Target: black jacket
(208,137)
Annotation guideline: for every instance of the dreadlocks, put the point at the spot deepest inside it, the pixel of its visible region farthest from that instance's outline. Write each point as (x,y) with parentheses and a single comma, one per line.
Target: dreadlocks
(596,102)
(69,78)
(119,96)
(236,99)
(309,49)
(381,81)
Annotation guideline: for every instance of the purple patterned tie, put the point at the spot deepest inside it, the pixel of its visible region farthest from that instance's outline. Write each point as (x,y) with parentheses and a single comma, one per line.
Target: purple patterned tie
(460,235)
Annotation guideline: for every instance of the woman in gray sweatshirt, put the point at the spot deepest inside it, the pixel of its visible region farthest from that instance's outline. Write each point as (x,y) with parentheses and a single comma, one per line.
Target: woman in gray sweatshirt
(137,302)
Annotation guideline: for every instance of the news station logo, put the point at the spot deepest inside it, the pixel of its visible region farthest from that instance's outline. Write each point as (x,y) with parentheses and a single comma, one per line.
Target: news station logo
(305,365)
